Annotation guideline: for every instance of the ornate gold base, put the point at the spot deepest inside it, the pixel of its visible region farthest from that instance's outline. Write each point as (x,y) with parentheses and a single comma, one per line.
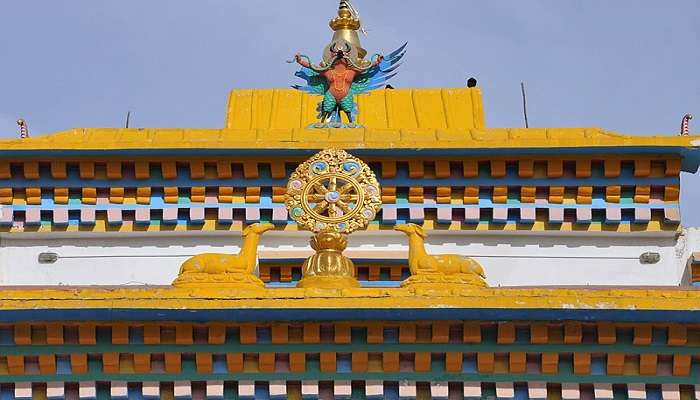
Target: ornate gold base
(328,282)
(224,281)
(328,268)
(433,280)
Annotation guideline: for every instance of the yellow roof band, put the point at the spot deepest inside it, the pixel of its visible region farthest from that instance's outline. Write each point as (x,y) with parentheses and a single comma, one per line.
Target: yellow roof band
(221,298)
(369,138)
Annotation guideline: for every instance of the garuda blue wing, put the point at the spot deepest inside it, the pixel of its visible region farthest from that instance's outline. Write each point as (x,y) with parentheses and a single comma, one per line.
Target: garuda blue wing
(377,76)
(315,84)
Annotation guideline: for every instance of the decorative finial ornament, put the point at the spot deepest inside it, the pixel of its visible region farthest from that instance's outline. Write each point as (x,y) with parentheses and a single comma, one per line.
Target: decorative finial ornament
(346,25)
(23,129)
(344,72)
(685,124)
(332,194)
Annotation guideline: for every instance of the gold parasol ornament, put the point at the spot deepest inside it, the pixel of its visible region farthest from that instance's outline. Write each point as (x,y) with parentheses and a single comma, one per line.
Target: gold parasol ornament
(332,194)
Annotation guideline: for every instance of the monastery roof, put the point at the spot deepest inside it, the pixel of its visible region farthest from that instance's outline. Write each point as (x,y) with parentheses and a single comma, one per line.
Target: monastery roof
(436,121)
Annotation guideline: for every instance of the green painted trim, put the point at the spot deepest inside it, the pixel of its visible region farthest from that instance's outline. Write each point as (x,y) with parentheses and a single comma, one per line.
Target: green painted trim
(34,350)
(435,376)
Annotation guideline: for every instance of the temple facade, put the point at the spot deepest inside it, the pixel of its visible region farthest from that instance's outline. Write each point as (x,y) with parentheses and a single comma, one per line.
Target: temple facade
(342,240)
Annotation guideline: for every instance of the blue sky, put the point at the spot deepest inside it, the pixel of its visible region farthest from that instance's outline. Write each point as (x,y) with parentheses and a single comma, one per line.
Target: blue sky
(626,66)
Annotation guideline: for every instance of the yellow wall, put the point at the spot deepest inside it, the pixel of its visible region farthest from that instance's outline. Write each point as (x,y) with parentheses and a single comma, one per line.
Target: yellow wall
(395,109)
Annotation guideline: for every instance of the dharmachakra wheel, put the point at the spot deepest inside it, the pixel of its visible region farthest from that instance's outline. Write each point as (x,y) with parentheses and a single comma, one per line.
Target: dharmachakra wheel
(333,191)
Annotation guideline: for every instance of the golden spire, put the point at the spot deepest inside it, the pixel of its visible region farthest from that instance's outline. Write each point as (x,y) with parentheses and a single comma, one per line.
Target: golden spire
(346,25)
(345,19)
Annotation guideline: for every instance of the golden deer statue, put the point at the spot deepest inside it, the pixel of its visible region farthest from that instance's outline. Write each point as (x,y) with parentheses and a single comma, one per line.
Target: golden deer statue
(225,269)
(442,268)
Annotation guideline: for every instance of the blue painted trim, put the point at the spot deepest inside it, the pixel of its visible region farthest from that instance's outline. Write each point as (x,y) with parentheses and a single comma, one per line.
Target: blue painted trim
(691,154)
(358,261)
(344,314)
(225,225)
(266,203)
(364,284)
(399,181)
(402,178)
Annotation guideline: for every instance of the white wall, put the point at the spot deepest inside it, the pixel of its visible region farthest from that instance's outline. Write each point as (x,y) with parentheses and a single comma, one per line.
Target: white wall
(510,259)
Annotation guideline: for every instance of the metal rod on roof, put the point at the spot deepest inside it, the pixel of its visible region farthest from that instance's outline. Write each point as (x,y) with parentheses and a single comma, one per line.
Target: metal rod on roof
(128,116)
(522,89)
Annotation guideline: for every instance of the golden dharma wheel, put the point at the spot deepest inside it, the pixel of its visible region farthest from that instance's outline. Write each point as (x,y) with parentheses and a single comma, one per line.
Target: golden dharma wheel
(333,191)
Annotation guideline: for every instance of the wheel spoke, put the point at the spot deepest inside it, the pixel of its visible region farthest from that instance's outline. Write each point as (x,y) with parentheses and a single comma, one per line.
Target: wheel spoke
(332,211)
(332,183)
(345,188)
(318,188)
(349,197)
(343,207)
(320,207)
(316,197)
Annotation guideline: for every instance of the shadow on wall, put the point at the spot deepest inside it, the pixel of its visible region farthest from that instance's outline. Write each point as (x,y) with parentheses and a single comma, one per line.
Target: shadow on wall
(374,239)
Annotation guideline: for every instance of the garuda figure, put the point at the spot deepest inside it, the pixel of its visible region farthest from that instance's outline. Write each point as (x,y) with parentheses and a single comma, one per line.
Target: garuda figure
(343,72)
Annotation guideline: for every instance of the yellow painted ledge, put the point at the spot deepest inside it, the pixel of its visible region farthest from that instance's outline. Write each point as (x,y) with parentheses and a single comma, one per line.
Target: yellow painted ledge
(297,138)
(368,298)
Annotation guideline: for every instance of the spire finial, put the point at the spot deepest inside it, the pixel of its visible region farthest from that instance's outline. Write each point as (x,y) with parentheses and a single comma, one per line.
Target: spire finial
(346,25)
(346,19)
(23,129)
(685,124)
